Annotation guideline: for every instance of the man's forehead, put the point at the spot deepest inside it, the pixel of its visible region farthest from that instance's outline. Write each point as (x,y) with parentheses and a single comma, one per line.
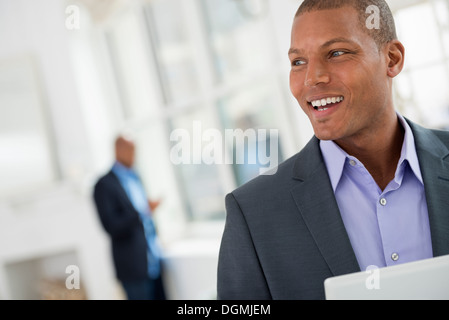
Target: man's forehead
(322,28)
(345,19)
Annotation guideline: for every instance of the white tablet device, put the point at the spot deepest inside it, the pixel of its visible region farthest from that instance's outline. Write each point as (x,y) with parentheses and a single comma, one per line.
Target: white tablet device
(420,280)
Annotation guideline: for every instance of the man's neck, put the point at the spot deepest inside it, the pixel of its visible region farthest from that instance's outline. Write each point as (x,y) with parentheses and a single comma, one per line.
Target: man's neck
(378,151)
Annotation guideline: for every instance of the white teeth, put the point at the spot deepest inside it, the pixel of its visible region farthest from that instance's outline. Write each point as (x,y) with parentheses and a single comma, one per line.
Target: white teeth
(324,102)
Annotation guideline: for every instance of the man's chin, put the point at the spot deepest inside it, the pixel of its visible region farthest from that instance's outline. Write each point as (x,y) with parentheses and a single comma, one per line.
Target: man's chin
(324,136)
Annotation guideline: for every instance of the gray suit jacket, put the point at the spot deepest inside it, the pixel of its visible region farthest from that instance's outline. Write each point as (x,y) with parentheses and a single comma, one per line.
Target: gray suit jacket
(284,234)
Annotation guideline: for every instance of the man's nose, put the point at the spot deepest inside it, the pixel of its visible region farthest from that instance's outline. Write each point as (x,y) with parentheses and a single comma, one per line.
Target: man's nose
(316,74)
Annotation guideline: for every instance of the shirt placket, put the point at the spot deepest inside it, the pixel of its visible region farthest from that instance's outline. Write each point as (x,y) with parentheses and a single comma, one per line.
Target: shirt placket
(385,215)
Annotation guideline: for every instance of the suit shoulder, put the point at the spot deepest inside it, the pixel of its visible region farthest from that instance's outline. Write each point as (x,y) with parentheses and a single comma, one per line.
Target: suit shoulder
(270,181)
(443,135)
(431,138)
(104,180)
(419,128)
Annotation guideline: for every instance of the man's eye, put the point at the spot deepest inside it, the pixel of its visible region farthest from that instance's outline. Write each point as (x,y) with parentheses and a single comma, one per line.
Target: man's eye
(297,63)
(337,53)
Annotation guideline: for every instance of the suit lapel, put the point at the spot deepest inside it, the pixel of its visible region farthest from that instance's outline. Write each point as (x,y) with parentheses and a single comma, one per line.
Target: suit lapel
(316,202)
(122,192)
(433,158)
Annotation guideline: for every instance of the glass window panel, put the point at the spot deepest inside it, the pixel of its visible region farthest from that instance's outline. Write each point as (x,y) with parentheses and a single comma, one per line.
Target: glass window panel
(431,95)
(404,98)
(419,33)
(201,181)
(445,39)
(134,73)
(153,162)
(27,160)
(403,86)
(240,43)
(442,12)
(174,49)
(253,109)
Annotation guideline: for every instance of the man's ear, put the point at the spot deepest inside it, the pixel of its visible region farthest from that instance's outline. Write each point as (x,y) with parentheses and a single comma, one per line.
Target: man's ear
(395,58)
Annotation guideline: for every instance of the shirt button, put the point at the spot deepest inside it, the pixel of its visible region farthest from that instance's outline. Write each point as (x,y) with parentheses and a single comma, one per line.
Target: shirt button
(395,257)
(383,201)
(352,163)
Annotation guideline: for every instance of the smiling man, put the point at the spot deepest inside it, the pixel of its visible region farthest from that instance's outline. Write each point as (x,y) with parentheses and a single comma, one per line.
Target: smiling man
(370,188)
(342,78)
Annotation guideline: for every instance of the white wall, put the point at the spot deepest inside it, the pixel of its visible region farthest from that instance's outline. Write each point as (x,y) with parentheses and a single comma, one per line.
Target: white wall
(59,217)
(57,222)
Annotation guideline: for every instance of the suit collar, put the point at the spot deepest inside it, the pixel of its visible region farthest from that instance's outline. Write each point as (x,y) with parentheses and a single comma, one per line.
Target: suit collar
(122,192)
(316,203)
(433,157)
(308,160)
(426,140)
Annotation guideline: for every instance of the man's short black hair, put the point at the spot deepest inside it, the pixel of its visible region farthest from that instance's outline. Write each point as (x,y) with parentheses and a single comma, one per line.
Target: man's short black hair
(382,35)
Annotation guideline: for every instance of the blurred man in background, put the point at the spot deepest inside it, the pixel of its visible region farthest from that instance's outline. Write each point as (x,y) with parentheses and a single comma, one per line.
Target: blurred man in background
(126,215)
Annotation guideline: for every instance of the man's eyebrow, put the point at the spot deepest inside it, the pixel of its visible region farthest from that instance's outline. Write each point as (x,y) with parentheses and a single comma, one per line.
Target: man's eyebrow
(293,50)
(336,40)
(324,45)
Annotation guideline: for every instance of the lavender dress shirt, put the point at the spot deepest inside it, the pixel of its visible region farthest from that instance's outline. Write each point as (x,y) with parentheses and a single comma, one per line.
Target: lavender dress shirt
(385,227)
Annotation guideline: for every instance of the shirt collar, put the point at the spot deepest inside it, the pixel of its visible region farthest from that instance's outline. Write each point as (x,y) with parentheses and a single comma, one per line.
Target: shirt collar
(408,151)
(121,170)
(335,157)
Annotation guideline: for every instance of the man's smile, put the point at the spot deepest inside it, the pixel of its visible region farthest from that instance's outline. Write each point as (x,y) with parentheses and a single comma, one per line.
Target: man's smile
(323,104)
